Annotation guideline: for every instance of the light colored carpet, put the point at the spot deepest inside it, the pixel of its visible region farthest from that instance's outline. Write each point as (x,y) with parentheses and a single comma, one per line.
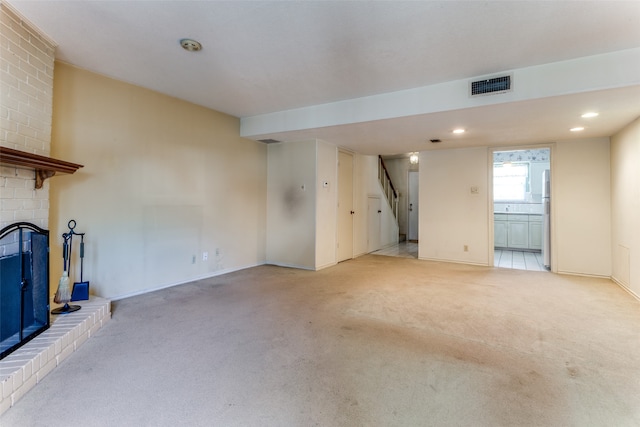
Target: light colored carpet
(375,341)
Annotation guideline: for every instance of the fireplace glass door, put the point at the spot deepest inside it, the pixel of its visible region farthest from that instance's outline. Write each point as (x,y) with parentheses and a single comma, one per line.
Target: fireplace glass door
(24,285)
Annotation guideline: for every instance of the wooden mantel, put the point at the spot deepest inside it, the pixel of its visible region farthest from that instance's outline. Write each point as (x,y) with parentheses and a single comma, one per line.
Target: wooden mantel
(45,167)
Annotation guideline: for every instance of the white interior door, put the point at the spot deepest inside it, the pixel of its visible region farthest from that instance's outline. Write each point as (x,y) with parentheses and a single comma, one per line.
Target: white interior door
(413,206)
(374,219)
(345,206)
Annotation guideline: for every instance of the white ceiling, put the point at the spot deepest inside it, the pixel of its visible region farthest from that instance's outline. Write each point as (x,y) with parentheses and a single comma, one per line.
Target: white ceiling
(269,60)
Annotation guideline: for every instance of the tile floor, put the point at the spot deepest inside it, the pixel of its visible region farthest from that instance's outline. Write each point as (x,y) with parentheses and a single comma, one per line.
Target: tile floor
(519,260)
(403,250)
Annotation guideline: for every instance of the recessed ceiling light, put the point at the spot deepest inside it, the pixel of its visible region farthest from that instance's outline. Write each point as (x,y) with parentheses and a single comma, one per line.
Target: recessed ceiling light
(458,131)
(576,129)
(589,115)
(191,45)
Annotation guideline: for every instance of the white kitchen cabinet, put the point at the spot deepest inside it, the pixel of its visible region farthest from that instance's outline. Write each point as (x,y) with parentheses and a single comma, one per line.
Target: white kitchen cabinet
(500,232)
(535,232)
(518,232)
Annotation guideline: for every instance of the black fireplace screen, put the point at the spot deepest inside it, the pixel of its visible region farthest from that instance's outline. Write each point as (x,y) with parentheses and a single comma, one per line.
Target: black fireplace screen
(24,284)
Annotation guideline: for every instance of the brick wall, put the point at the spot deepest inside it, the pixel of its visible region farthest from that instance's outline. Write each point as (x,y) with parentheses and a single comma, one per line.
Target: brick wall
(26,94)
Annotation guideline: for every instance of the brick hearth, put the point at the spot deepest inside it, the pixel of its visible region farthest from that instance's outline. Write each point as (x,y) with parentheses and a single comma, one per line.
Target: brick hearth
(24,368)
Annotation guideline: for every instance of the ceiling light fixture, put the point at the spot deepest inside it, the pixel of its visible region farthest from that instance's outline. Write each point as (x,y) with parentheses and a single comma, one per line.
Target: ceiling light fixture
(191,45)
(414,159)
(589,115)
(458,130)
(577,129)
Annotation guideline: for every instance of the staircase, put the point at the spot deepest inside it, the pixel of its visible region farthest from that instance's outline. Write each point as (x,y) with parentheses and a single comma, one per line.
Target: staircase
(387,187)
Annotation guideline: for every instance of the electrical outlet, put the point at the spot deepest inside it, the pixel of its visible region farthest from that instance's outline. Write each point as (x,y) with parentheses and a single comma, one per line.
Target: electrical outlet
(205,256)
(217,251)
(466,248)
(193,259)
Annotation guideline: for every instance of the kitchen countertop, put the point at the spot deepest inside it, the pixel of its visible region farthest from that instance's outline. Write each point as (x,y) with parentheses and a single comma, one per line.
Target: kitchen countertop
(517,213)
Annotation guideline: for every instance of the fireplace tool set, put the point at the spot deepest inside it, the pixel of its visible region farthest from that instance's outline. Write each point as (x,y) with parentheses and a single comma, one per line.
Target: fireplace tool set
(80,289)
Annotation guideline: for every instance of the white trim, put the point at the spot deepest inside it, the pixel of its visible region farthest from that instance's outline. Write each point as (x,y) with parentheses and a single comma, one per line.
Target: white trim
(182,282)
(573,273)
(330,264)
(624,287)
(456,261)
(31,25)
(285,265)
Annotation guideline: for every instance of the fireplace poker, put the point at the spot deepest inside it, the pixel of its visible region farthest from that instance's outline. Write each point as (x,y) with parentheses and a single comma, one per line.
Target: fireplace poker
(81,288)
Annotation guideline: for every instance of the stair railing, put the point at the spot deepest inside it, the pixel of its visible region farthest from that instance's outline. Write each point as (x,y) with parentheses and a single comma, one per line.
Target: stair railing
(387,187)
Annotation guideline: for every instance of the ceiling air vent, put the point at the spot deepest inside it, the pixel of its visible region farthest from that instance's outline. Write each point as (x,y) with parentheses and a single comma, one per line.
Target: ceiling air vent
(491,86)
(269,141)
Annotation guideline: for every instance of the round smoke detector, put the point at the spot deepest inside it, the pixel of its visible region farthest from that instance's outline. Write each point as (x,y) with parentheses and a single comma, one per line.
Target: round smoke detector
(190,45)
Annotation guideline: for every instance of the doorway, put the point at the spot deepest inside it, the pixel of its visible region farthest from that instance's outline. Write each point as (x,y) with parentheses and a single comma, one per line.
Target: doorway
(413,206)
(521,209)
(374,222)
(344,250)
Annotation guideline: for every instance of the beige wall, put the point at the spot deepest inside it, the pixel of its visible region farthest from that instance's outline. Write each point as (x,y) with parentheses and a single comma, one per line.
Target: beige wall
(164,181)
(625,206)
(26,88)
(291,204)
(581,208)
(450,215)
(302,224)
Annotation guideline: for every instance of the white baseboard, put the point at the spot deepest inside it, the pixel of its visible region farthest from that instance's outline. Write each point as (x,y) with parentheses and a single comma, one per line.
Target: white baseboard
(573,273)
(455,261)
(625,287)
(299,267)
(331,264)
(182,282)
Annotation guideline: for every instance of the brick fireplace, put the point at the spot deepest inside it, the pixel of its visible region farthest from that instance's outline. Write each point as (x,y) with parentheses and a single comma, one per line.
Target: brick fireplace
(26,102)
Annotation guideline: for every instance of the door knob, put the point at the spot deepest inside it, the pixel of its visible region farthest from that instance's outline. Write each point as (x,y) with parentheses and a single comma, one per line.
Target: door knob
(352,212)
(379,211)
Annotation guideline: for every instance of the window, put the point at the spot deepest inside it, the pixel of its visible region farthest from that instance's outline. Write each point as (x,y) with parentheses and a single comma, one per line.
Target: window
(510,181)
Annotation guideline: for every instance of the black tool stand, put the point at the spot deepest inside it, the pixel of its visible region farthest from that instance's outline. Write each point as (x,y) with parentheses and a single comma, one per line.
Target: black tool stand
(66,255)
(66,308)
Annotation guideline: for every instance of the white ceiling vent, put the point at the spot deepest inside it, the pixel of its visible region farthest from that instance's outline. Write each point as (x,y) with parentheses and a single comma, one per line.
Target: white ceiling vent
(490,86)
